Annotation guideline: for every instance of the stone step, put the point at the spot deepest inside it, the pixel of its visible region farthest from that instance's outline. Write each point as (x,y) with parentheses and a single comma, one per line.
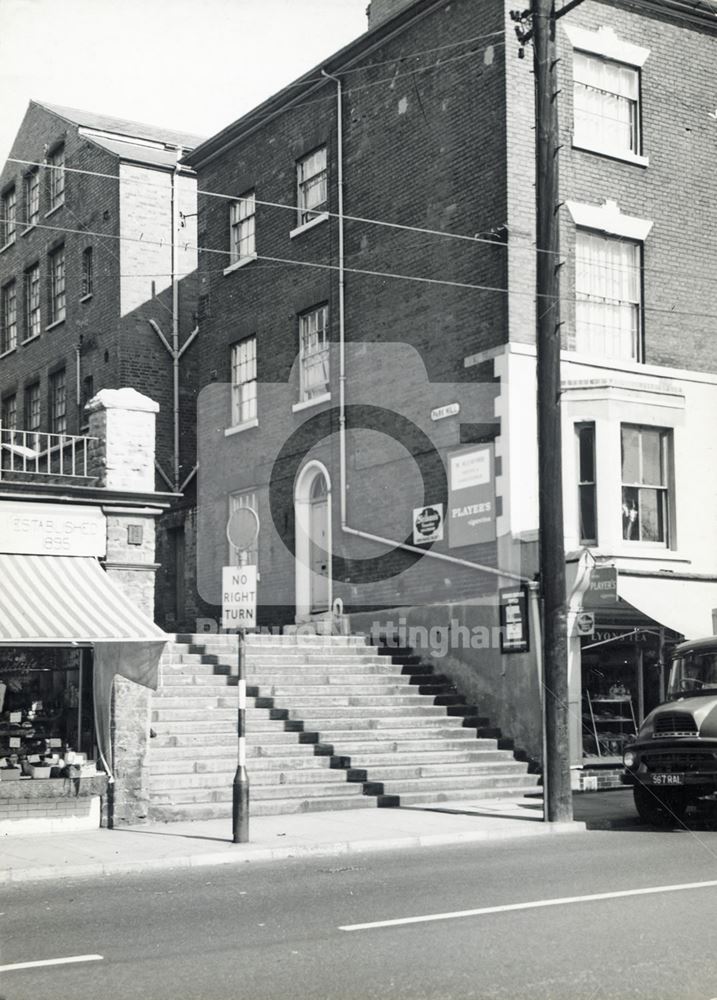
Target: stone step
(421,757)
(199,702)
(201,685)
(339,657)
(258,776)
(429,797)
(334,686)
(429,743)
(188,668)
(368,713)
(343,672)
(461,782)
(257,639)
(467,771)
(207,728)
(352,730)
(223,810)
(258,793)
(225,763)
(323,703)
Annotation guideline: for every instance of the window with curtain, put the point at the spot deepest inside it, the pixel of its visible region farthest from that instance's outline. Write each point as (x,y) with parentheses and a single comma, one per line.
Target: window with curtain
(606,104)
(314,353)
(244,381)
(645,492)
(608,294)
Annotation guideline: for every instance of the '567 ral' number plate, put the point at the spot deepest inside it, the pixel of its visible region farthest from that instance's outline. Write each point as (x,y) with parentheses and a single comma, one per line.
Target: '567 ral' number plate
(668,779)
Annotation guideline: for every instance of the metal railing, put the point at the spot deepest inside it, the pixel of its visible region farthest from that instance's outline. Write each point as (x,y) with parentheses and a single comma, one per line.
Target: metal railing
(26,454)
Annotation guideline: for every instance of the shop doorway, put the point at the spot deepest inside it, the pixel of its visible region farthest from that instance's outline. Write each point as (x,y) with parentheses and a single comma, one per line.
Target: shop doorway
(312,504)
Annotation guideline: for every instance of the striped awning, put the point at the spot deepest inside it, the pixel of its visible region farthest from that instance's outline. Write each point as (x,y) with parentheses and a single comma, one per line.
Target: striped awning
(58,600)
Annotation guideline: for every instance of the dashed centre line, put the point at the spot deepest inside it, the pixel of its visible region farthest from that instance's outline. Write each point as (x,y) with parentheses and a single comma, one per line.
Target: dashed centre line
(40,963)
(532,905)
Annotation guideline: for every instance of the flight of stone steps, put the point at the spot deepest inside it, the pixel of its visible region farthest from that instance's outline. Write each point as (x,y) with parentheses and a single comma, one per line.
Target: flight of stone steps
(331,723)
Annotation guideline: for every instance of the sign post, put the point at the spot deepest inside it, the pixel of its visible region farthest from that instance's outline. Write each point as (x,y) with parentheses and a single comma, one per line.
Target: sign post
(239,611)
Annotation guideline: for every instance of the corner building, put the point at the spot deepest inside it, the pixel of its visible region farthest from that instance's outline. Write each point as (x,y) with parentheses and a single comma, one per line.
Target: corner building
(367,300)
(98,289)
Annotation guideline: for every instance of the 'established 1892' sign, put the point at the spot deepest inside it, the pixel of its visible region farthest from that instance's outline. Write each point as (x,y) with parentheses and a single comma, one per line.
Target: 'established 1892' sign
(46,529)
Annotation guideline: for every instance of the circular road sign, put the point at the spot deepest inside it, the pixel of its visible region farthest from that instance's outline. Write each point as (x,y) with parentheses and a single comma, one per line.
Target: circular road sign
(243,528)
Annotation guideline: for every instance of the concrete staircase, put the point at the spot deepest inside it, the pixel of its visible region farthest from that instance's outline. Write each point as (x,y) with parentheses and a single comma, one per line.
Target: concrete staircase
(193,753)
(332,723)
(384,716)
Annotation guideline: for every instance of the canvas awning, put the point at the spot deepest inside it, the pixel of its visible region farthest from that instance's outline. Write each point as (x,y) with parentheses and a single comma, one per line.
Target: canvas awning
(685,606)
(65,600)
(56,600)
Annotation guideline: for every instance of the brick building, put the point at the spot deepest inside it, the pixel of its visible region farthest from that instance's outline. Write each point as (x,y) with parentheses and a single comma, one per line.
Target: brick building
(377,228)
(97,279)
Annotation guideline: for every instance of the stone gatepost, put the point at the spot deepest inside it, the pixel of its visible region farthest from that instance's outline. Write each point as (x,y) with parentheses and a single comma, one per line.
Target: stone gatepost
(122,459)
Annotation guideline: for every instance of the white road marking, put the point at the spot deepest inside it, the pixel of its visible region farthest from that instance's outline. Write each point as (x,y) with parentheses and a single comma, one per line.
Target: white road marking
(51,961)
(533,905)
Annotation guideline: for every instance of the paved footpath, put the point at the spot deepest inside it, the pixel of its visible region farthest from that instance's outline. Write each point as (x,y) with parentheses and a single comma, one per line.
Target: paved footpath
(156,846)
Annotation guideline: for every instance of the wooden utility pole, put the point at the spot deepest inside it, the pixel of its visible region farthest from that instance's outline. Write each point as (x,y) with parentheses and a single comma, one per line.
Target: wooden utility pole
(556,766)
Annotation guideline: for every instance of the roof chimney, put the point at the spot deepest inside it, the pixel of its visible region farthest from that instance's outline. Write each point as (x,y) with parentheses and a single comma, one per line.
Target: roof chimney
(382,10)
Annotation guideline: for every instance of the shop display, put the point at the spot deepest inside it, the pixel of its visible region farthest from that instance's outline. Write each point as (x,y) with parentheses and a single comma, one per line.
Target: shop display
(45,714)
(611,722)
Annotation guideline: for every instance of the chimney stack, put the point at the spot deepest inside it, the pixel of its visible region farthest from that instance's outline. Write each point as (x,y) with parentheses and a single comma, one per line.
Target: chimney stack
(381,10)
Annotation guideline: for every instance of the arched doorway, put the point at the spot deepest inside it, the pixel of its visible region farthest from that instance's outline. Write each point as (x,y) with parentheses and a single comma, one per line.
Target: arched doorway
(312,502)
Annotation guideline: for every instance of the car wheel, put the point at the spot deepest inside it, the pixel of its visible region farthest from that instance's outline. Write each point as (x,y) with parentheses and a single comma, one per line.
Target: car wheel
(658,807)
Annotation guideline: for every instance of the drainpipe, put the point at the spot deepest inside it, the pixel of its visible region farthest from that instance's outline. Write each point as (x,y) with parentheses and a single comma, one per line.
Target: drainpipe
(175,319)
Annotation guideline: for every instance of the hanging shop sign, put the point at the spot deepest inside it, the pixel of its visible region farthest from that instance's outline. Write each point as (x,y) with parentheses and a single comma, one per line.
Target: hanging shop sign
(471,499)
(514,634)
(43,529)
(238,597)
(428,524)
(602,587)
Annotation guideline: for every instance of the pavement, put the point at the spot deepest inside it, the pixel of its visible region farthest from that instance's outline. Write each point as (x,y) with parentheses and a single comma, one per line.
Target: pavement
(155,846)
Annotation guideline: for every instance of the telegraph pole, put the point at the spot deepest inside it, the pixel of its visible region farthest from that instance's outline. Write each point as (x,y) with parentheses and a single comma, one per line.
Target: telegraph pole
(556,766)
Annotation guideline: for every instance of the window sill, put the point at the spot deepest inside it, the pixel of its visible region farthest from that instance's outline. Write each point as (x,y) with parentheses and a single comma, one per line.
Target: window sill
(10,243)
(304,404)
(614,154)
(29,340)
(52,326)
(242,262)
(238,428)
(86,298)
(54,208)
(29,229)
(9,351)
(308,225)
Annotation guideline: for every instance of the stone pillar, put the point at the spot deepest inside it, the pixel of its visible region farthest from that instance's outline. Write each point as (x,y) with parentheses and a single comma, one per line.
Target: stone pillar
(122,459)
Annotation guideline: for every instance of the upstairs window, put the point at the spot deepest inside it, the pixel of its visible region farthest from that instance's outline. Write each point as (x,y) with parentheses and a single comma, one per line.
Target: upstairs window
(57,285)
(314,353)
(645,494)
(312,186)
(32,197)
(56,179)
(32,302)
(242,243)
(32,407)
(8,221)
(8,317)
(606,104)
(88,272)
(244,381)
(9,413)
(58,403)
(587,485)
(608,292)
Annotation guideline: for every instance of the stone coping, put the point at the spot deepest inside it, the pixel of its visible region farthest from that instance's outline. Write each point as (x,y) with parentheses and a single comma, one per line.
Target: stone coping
(53,788)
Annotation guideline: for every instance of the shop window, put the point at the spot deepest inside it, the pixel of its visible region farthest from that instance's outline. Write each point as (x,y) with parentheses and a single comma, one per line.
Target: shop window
(314,353)
(587,495)
(645,492)
(608,295)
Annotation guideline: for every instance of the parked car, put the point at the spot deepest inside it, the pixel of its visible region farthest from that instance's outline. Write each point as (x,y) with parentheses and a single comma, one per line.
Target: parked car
(673,761)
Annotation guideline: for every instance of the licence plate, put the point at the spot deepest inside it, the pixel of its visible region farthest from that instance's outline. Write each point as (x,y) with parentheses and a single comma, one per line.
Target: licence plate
(668,779)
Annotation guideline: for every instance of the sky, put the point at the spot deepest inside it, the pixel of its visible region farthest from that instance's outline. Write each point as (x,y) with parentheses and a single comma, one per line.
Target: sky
(190,65)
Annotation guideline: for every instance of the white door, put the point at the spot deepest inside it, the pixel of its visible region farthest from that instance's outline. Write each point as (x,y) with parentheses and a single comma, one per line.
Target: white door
(319,544)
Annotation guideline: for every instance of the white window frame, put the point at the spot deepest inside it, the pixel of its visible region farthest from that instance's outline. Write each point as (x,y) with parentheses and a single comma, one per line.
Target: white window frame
(8,225)
(242,230)
(9,413)
(663,489)
(608,296)
(88,272)
(33,304)
(32,197)
(614,54)
(56,180)
(58,402)
(33,407)
(237,501)
(587,484)
(314,354)
(312,187)
(8,317)
(58,297)
(244,384)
